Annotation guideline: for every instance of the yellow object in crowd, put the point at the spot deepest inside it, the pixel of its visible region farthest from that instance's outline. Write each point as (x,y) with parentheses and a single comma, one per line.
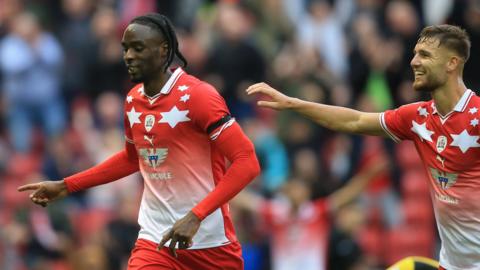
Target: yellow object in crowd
(415,263)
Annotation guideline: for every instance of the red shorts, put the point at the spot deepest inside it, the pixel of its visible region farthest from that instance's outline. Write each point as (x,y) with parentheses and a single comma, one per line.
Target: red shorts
(146,257)
(441,268)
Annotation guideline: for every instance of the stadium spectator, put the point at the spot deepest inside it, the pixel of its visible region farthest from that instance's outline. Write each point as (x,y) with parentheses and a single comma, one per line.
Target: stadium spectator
(31,60)
(299,227)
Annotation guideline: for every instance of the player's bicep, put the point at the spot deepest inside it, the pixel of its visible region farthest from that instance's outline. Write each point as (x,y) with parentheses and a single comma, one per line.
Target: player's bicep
(370,124)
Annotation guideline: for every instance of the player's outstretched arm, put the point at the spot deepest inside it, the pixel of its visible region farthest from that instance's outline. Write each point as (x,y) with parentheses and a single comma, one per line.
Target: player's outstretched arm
(46,191)
(117,166)
(332,117)
(356,185)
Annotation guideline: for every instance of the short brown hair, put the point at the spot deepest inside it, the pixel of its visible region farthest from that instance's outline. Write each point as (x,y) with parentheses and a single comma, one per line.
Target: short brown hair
(450,36)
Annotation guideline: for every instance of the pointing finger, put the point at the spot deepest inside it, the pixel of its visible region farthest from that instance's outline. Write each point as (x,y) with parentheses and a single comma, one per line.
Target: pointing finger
(172,246)
(29,187)
(165,238)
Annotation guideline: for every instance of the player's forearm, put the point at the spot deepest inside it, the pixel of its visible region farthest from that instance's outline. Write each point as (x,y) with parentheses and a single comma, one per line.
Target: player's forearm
(242,171)
(332,117)
(114,168)
(237,148)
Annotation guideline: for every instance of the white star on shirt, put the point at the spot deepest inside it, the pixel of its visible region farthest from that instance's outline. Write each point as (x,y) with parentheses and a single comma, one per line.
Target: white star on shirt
(129,99)
(141,91)
(422,111)
(473,110)
(464,141)
(182,88)
(474,122)
(185,97)
(422,131)
(134,117)
(174,116)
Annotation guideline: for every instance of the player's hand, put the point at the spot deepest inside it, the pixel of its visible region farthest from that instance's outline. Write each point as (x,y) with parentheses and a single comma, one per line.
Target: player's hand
(278,100)
(182,233)
(46,191)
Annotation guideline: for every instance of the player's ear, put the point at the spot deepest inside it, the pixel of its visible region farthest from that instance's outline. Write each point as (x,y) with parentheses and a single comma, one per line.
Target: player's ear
(164,49)
(453,63)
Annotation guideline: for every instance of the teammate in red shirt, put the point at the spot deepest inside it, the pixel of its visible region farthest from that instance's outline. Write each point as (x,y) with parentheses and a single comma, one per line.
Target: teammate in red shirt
(445,131)
(178,133)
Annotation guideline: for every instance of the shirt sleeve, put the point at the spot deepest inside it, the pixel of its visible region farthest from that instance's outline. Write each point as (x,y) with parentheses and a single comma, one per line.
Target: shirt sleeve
(398,123)
(128,130)
(238,149)
(117,166)
(209,110)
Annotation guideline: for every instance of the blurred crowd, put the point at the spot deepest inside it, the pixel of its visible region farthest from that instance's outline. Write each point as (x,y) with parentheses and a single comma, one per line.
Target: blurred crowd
(62,84)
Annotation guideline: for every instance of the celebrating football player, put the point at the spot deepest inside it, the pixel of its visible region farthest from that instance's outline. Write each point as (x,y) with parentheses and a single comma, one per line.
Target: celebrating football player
(445,131)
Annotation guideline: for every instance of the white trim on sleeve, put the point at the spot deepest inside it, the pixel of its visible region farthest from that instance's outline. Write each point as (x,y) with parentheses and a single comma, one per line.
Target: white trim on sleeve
(215,135)
(128,139)
(385,128)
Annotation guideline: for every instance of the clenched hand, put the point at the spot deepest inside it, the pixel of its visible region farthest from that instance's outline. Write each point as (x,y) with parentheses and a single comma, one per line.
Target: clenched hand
(182,233)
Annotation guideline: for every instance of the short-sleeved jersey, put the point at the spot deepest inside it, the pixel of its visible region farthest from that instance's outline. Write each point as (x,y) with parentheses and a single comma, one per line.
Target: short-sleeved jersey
(177,158)
(298,241)
(450,150)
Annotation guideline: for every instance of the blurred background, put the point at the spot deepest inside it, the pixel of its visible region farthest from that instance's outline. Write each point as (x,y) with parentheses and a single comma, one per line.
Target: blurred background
(63,81)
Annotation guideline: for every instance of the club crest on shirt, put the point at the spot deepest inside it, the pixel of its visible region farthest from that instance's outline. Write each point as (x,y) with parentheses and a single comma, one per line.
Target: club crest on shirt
(149,122)
(153,157)
(444,180)
(441,143)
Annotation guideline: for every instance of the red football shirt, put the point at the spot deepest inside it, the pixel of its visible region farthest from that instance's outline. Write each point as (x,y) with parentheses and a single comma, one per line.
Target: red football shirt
(177,160)
(449,148)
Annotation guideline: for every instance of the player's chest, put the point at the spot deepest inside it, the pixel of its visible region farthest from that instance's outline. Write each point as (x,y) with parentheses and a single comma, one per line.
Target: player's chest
(164,119)
(452,142)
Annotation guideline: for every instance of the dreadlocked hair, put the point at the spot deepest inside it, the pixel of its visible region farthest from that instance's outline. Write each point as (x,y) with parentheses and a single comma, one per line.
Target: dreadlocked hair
(162,24)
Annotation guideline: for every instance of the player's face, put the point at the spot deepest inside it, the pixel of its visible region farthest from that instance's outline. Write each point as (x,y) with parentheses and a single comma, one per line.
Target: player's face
(429,65)
(144,52)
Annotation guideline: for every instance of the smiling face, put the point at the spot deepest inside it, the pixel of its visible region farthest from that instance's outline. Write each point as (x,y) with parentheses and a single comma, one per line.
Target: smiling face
(144,52)
(430,65)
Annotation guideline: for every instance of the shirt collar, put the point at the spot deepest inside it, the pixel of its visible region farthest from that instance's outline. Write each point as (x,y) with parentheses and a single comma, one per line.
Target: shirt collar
(167,87)
(171,81)
(461,104)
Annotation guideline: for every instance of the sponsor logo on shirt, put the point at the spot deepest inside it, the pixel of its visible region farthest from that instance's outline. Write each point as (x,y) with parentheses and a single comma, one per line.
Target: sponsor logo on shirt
(447,199)
(153,157)
(445,180)
(160,176)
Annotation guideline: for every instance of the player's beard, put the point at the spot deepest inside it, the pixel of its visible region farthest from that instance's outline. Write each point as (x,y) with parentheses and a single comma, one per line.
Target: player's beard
(135,79)
(428,83)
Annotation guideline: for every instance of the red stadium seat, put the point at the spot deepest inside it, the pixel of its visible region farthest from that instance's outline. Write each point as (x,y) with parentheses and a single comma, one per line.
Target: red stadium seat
(371,240)
(409,241)
(22,165)
(407,156)
(414,184)
(418,212)
(86,223)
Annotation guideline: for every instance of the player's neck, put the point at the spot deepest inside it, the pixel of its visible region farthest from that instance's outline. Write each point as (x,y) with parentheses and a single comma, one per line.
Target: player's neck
(153,86)
(447,96)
